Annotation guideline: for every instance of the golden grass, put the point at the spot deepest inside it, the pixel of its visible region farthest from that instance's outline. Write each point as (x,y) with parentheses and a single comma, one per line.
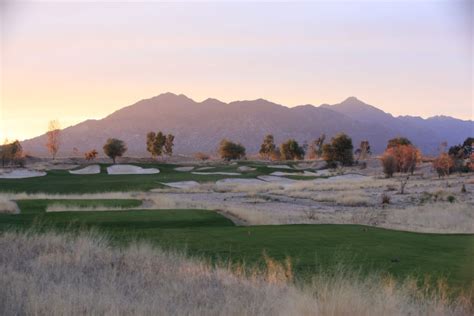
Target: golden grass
(9,207)
(52,274)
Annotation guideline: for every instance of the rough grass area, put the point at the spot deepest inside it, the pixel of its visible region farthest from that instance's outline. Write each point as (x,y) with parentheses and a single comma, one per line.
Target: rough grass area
(311,247)
(50,274)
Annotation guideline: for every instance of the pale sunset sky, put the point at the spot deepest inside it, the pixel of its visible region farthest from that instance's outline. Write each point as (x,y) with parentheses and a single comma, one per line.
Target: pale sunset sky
(72,60)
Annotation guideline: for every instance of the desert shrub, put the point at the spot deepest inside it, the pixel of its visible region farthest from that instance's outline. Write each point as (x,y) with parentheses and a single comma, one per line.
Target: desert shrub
(114,148)
(451,199)
(406,157)
(385,199)
(201,156)
(91,155)
(389,164)
(229,150)
(291,150)
(12,154)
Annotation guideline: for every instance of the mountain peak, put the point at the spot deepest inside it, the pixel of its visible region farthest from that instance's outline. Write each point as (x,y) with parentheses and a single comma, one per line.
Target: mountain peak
(352,99)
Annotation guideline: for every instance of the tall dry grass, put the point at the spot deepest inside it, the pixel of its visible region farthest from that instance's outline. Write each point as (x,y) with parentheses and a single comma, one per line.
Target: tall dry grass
(52,274)
(9,207)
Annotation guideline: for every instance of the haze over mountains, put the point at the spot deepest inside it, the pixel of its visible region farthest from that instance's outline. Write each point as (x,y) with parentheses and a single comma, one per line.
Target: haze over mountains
(199,126)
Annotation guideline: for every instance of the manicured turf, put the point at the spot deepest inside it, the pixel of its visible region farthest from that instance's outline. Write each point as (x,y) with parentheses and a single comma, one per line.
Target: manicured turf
(61,181)
(310,247)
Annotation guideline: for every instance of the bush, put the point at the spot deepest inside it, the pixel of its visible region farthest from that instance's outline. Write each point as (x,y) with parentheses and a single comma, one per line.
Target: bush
(443,164)
(230,151)
(201,156)
(91,155)
(406,157)
(385,199)
(340,150)
(389,164)
(268,147)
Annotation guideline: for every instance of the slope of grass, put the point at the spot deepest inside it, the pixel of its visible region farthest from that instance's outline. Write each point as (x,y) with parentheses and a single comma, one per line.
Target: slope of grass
(310,247)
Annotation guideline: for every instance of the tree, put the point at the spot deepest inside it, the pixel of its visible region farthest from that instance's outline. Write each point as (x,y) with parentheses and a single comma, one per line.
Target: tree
(291,150)
(169,143)
(150,143)
(363,151)
(398,141)
(389,164)
(443,164)
(156,142)
(316,147)
(329,155)
(406,157)
(201,156)
(91,155)
(54,137)
(114,148)
(342,146)
(268,147)
(229,150)
(11,153)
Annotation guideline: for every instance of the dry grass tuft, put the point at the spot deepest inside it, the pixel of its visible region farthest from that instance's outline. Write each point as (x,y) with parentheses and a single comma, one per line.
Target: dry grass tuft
(9,207)
(52,274)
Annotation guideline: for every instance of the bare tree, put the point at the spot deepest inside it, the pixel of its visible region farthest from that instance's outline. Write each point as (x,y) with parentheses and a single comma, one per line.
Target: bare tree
(54,137)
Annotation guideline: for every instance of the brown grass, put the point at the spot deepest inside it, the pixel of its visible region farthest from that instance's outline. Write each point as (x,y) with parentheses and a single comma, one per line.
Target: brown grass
(51,274)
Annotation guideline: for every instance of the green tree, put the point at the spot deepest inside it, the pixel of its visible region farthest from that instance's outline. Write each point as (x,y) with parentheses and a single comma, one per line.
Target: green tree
(150,143)
(169,144)
(114,148)
(229,150)
(398,141)
(340,150)
(291,150)
(268,147)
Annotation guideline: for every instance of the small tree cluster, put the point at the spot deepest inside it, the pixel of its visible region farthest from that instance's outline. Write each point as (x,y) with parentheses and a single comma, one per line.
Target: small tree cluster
(11,153)
(114,148)
(339,151)
(363,152)
(158,144)
(463,156)
(268,147)
(400,156)
(291,150)
(201,156)
(230,151)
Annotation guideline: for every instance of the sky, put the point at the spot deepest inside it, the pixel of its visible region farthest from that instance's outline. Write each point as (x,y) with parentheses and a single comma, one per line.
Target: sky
(72,61)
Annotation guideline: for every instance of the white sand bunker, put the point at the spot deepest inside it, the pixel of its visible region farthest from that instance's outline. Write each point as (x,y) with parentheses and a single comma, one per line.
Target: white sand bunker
(303,174)
(240,181)
(205,168)
(94,169)
(130,169)
(182,184)
(278,180)
(246,169)
(184,169)
(279,167)
(220,173)
(21,174)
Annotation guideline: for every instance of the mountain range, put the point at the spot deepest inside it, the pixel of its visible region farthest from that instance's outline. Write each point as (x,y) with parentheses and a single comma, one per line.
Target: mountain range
(199,126)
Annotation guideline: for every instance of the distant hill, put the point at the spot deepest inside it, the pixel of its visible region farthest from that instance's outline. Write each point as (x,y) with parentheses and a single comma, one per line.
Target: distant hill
(199,126)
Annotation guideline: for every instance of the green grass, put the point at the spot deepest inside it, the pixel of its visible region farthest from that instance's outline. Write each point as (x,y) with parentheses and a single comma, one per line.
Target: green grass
(310,247)
(61,181)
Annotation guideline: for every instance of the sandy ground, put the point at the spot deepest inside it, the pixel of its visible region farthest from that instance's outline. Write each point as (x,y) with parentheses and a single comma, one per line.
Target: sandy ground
(94,169)
(246,169)
(205,168)
(20,173)
(279,166)
(130,169)
(275,179)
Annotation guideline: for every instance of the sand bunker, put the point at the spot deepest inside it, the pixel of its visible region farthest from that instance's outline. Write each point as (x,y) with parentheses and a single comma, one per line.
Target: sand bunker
(94,169)
(130,169)
(279,167)
(205,168)
(182,184)
(246,169)
(240,181)
(184,169)
(220,173)
(21,174)
(303,174)
(278,180)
